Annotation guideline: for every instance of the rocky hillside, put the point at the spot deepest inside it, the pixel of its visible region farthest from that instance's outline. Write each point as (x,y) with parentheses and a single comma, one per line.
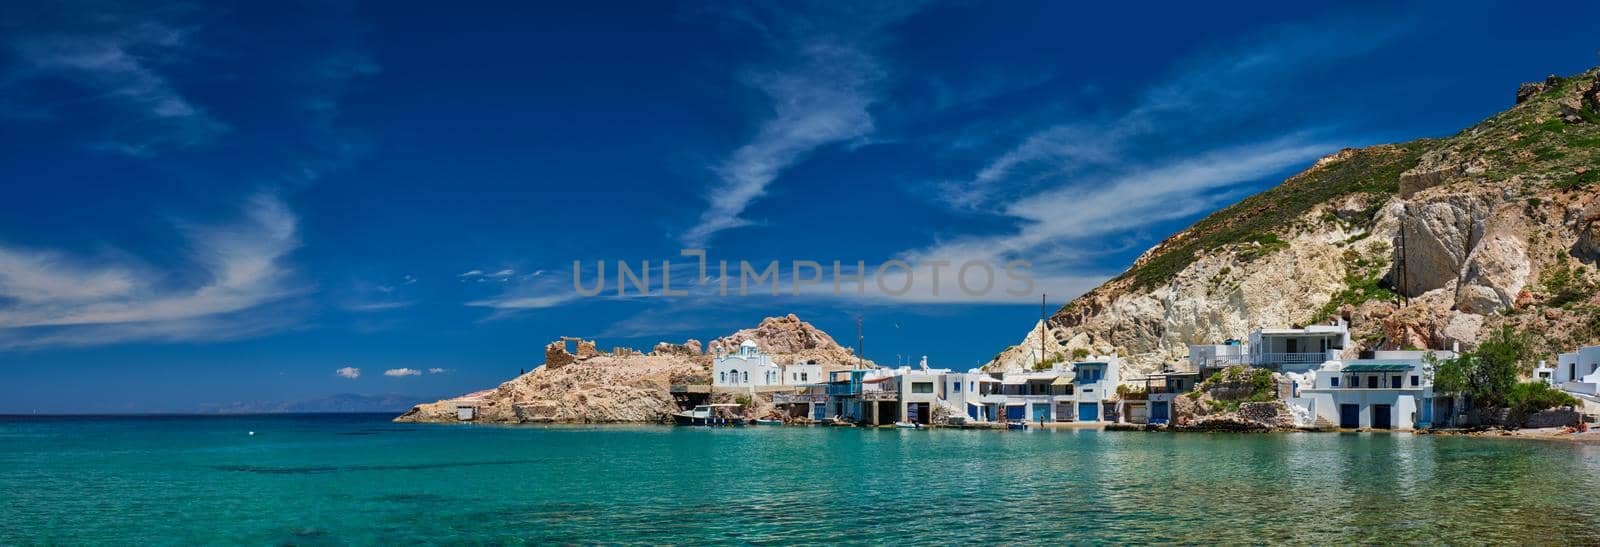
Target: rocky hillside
(1501,227)
(790,340)
(583,384)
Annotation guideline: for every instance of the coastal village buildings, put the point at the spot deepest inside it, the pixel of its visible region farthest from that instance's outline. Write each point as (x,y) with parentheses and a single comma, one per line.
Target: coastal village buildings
(924,391)
(1038,396)
(978,393)
(1298,349)
(1095,389)
(1322,386)
(1393,390)
(1281,350)
(1083,392)
(1217,356)
(1578,373)
(1162,389)
(752,368)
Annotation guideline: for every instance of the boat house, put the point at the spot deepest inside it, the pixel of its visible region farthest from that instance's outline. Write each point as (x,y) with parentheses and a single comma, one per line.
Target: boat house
(1393,390)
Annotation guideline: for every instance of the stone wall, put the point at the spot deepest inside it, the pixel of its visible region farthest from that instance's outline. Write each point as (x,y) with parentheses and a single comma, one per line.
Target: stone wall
(1558,417)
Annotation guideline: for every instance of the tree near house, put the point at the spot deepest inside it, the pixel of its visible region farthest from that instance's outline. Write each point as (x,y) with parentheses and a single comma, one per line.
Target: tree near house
(1488,377)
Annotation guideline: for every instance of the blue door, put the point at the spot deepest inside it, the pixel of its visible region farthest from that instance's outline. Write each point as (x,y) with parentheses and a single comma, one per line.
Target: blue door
(1349,416)
(1016,412)
(820,411)
(1041,412)
(1088,412)
(1381,417)
(1159,412)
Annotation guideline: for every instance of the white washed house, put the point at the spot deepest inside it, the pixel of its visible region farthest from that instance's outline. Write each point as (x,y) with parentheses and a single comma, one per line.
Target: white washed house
(752,368)
(977,393)
(1038,396)
(1094,389)
(1394,390)
(1299,349)
(1579,373)
(803,374)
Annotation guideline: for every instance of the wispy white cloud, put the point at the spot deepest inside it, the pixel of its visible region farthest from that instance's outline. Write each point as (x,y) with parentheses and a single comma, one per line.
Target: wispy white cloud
(1176,152)
(402,372)
(243,265)
(437,370)
(529,294)
(348,372)
(120,61)
(362,296)
(819,94)
(480,276)
(378,306)
(1058,228)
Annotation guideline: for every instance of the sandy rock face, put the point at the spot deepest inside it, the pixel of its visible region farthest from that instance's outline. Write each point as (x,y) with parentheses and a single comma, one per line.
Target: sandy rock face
(1439,234)
(1587,248)
(601,388)
(1497,268)
(790,340)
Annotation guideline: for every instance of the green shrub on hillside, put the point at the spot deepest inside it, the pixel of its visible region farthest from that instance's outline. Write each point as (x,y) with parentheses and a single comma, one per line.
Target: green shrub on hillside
(1580,180)
(1563,283)
(1363,280)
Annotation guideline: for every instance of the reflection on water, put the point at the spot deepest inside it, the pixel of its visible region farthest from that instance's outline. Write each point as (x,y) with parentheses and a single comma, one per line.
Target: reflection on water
(331,479)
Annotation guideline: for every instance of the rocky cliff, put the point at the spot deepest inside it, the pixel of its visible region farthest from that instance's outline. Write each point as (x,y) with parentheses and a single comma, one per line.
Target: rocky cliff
(1419,244)
(579,383)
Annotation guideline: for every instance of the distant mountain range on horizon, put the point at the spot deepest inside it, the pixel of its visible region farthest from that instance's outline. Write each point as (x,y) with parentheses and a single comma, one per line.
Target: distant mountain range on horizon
(337,403)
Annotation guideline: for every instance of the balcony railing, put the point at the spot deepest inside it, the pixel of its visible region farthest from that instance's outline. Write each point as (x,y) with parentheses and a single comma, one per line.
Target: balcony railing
(1300,358)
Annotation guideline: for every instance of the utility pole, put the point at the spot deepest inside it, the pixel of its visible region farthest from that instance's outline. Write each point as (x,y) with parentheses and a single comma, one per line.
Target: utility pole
(1042,330)
(859,338)
(1405,272)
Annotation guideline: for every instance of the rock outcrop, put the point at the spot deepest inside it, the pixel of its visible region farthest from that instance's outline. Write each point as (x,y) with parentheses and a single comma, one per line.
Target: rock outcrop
(580,384)
(790,340)
(1587,247)
(1422,244)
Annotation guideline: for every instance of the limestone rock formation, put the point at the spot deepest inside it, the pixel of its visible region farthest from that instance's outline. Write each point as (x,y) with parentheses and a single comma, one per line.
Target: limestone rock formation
(601,388)
(790,340)
(1497,268)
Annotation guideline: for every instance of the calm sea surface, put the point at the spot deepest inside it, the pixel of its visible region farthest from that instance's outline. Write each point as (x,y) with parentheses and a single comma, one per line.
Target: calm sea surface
(361,479)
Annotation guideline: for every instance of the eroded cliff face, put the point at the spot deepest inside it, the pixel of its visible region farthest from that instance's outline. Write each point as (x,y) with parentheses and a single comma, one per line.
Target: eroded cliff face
(579,383)
(1473,228)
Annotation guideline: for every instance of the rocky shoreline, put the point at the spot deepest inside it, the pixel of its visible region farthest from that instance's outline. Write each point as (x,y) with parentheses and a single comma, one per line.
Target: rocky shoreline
(579,383)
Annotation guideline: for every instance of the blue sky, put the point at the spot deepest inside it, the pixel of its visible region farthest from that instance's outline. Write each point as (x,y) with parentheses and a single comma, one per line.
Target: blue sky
(206,204)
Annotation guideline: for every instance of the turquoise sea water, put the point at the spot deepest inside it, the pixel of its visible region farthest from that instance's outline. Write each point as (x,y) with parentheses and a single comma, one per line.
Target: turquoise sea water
(361,479)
